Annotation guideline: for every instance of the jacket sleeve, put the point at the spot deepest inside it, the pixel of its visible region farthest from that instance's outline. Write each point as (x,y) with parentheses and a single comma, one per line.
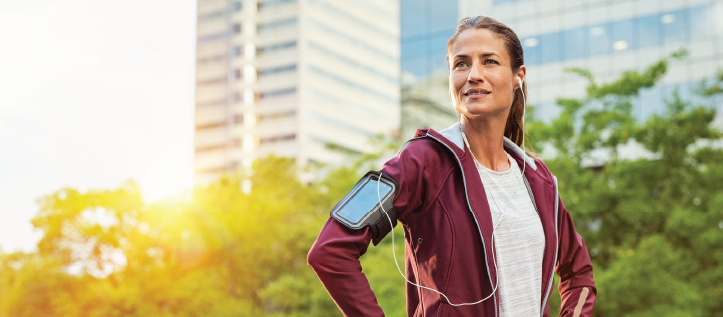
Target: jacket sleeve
(336,252)
(577,287)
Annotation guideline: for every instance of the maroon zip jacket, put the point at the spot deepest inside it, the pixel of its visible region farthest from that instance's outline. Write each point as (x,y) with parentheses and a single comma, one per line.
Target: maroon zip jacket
(447,224)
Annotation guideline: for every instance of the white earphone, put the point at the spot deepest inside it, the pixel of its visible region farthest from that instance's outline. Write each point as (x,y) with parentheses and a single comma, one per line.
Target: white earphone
(524,108)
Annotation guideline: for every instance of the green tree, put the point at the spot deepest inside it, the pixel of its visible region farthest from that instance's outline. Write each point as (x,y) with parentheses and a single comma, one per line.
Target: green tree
(651,224)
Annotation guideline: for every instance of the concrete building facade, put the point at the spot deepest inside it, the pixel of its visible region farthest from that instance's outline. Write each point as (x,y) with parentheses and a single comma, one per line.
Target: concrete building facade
(312,80)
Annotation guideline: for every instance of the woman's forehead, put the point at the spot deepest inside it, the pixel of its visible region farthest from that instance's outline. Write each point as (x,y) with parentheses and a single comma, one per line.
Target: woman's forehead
(478,42)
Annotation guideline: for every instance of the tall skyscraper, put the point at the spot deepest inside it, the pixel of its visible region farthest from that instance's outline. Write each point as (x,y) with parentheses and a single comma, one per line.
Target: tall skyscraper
(604,36)
(292,77)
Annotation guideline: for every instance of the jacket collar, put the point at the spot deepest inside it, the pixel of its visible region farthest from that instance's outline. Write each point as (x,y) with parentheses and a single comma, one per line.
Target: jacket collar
(454,135)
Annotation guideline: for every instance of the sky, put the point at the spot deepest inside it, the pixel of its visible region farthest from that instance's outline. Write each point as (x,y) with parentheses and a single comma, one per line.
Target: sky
(92,93)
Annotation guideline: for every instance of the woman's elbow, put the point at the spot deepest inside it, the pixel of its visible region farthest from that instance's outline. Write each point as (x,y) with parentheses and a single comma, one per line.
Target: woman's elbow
(316,257)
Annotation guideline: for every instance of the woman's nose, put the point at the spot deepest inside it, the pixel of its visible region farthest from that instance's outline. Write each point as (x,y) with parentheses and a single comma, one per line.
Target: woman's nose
(475,73)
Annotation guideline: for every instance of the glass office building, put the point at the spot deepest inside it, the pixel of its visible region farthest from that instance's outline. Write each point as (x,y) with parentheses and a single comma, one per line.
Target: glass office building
(604,36)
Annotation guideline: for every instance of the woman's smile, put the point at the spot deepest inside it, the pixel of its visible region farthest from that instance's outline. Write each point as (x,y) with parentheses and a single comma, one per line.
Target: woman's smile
(477,93)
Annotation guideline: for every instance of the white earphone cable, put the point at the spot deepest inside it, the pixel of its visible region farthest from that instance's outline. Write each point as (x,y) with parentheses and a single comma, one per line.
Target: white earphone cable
(524,109)
(494,289)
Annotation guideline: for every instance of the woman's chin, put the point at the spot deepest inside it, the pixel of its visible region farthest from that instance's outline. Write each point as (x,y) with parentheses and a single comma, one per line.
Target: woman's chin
(477,109)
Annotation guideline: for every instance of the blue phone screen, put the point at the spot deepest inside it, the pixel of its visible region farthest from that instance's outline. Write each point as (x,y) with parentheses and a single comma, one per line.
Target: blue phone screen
(363,201)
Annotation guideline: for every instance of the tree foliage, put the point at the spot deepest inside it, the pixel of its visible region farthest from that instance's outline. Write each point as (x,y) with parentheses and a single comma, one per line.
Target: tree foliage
(223,253)
(652,223)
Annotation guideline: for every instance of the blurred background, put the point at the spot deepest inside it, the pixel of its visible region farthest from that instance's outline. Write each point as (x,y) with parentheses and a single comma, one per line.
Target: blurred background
(179,157)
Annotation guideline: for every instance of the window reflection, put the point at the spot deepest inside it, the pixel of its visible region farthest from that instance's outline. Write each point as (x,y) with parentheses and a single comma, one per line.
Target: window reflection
(623,35)
(550,52)
(675,26)
(598,40)
(574,44)
(699,22)
(648,31)
(668,27)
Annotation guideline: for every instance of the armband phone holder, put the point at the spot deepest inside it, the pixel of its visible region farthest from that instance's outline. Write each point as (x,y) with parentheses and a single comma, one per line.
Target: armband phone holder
(361,206)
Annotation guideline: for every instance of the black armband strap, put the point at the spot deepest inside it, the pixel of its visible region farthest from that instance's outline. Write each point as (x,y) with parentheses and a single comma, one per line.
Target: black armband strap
(361,206)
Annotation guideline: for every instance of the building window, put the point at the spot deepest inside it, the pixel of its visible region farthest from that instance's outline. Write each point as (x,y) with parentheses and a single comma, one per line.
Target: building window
(275,47)
(669,27)
(326,52)
(236,51)
(237,28)
(274,139)
(277,93)
(277,70)
(335,11)
(276,24)
(211,15)
(352,39)
(237,6)
(349,83)
(273,3)
(277,116)
(238,119)
(329,121)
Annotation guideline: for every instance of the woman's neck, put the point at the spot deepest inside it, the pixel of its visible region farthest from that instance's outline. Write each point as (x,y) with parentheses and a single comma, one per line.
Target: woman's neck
(486,143)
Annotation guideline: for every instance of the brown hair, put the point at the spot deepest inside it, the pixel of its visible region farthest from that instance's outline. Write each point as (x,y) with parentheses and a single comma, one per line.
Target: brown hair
(513,128)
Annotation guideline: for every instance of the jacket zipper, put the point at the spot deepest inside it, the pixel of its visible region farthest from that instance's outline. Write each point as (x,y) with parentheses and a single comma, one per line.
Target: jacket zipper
(557,243)
(529,191)
(464,181)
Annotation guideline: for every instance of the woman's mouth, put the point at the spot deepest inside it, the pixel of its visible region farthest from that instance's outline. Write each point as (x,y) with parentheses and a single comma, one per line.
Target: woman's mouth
(476,92)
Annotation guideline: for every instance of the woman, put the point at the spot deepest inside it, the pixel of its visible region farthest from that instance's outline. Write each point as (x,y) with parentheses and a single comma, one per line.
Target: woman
(484,226)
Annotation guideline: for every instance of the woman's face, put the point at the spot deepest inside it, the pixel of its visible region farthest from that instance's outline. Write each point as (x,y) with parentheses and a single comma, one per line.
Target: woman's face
(481,76)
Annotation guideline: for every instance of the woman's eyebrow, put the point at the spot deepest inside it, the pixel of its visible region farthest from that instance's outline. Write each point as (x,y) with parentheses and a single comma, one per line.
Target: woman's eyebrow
(484,54)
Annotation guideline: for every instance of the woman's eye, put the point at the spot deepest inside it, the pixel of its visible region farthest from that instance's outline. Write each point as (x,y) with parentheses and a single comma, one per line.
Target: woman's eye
(460,64)
(491,61)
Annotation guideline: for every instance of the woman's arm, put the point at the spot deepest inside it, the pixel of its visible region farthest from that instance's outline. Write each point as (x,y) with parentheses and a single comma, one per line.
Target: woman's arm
(335,259)
(577,287)
(335,254)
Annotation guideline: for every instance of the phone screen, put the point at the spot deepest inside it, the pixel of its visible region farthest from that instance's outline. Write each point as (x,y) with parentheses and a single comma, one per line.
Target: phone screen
(363,201)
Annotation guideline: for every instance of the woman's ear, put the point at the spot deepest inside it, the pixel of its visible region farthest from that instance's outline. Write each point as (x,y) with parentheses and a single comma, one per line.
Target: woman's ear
(521,75)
